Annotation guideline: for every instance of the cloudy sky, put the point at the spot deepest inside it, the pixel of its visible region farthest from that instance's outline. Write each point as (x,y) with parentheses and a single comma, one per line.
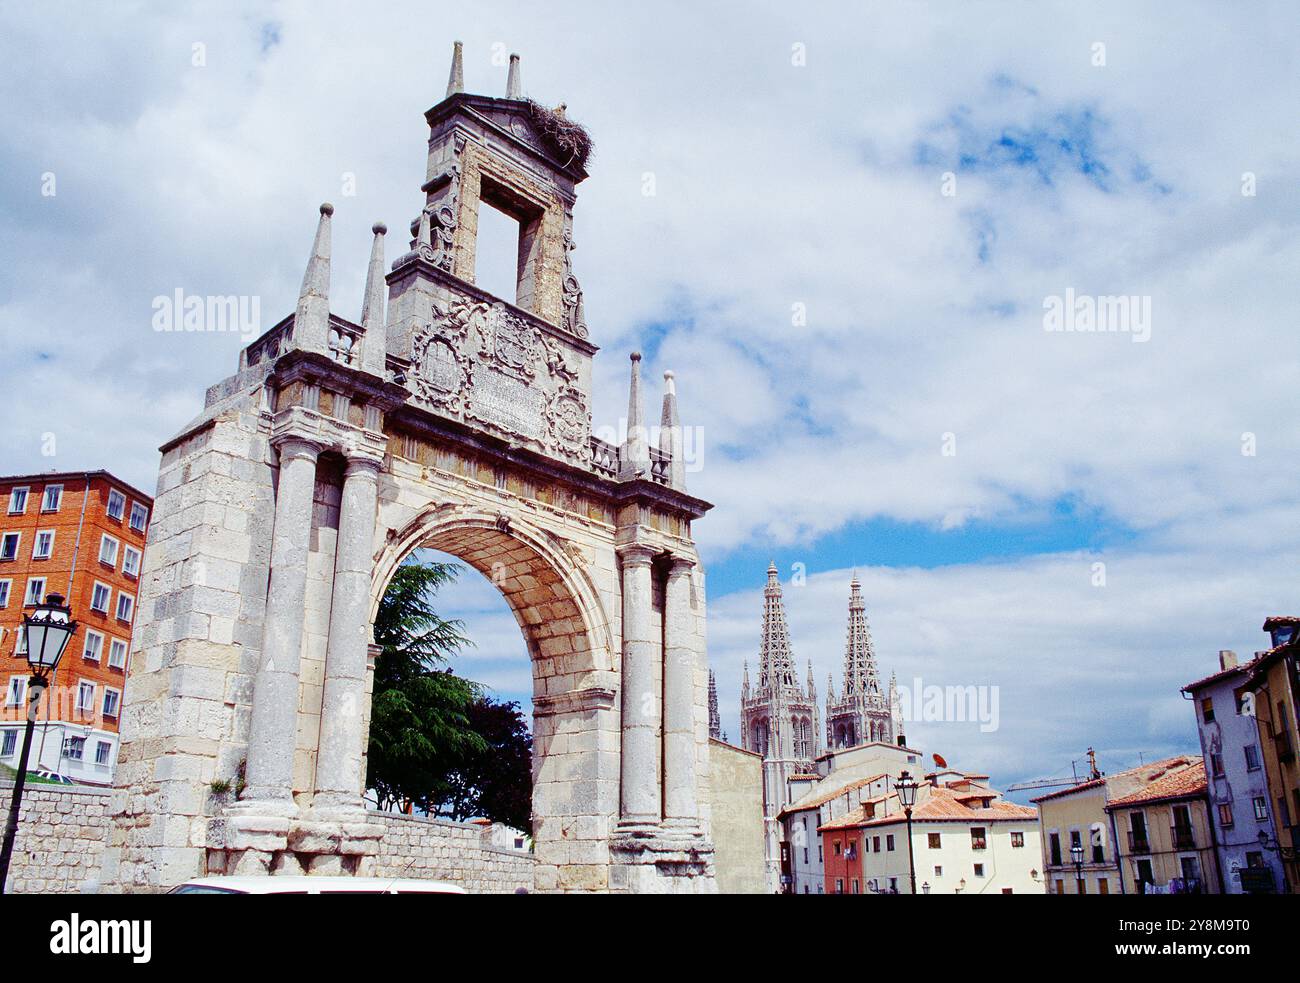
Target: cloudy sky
(858,214)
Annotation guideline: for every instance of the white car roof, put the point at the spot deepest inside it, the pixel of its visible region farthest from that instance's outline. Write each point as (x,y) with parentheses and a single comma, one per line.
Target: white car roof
(298,884)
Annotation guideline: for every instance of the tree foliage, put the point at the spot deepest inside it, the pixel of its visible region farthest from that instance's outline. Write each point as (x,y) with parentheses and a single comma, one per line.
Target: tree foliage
(437,742)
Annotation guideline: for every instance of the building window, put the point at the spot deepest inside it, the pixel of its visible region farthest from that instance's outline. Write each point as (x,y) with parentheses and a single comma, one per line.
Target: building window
(117,654)
(74,748)
(125,606)
(855,886)
(35,590)
(131,561)
(18,501)
(1103,885)
(139,516)
(837,847)
(978,840)
(1252,757)
(10,744)
(979,870)
(893,885)
(1225,813)
(875,844)
(116,505)
(93,647)
(85,697)
(1261,808)
(53,496)
(9,545)
(108,550)
(100,597)
(5,585)
(1060,887)
(103,751)
(1216,765)
(934,841)
(17,691)
(938,871)
(112,700)
(43,547)
(889,842)
(1207,709)
(1017,838)
(839,885)
(851,850)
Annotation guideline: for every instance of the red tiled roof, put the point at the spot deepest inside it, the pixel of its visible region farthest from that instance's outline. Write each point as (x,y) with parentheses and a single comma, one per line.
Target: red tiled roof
(941,805)
(1151,771)
(1092,783)
(1222,673)
(816,798)
(1278,620)
(1181,784)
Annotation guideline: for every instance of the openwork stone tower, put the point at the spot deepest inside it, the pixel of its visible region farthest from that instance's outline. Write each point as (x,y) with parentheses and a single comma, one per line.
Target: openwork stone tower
(442,417)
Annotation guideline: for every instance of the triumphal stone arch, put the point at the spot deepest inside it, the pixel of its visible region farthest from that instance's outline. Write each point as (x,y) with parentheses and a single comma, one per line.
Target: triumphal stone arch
(443,417)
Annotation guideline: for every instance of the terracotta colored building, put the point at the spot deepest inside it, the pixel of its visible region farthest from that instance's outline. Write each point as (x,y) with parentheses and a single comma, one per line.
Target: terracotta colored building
(80,534)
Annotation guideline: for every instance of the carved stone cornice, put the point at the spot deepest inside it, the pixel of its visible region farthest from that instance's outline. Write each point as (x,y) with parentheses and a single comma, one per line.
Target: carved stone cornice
(297,423)
(575,701)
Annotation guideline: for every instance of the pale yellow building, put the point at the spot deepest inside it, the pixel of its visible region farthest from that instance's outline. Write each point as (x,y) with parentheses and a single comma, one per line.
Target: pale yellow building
(1165,839)
(1077,816)
(736,779)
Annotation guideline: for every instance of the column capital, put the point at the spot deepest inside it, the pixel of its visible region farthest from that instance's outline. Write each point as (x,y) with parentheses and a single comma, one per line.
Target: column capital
(291,445)
(363,464)
(636,554)
(679,563)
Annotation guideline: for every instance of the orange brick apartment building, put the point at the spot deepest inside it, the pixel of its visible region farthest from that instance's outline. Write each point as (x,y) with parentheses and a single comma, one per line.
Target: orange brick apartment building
(80,534)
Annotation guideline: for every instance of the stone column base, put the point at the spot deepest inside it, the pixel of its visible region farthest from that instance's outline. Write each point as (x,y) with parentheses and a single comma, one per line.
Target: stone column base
(661,860)
(332,844)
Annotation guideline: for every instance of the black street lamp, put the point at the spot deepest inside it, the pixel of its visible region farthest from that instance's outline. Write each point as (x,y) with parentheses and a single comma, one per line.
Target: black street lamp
(906,788)
(45,635)
(1076,854)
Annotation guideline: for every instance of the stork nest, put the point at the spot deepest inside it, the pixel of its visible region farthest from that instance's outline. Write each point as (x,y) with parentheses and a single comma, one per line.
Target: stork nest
(570,141)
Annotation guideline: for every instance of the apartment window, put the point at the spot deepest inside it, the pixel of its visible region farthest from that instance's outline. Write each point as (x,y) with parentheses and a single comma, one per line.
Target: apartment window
(74,748)
(35,590)
(978,839)
(139,517)
(1103,885)
(112,700)
(1216,765)
(933,841)
(131,561)
(103,751)
(851,850)
(1225,813)
(85,697)
(855,886)
(100,597)
(1261,808)
(938,871)
(979,870)
(117,654)
(108,550)
(53,496)
(1060,887)
(805,856)
(1017,838)
(18,501)
(1252,757)
(839,885)
(9,545)
(837,847)
(875,844)
(116,505)
(5,585)
(889,842)
(893,885)
(20,648)
(9,745)
(1207,709)
(1054,848)
(93,647)
(17,691)
(125,606)
(43,545)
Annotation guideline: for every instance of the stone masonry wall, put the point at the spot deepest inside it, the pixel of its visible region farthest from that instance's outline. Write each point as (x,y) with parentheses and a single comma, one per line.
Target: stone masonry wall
(61,835)
(439,850)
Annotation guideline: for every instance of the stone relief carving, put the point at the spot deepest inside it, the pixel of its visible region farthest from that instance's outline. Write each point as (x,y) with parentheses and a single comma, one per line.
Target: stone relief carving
(575,317)
(438,221)
(491,365)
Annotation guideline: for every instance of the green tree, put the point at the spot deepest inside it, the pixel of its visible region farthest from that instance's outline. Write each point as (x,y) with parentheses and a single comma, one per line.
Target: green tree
(496,783)
(419,715)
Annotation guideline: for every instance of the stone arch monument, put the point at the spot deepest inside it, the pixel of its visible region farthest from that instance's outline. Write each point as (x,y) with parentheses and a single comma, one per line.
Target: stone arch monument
(443,417)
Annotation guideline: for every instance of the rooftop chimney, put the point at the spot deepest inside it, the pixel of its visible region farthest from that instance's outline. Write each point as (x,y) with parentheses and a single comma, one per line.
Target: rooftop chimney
(1227,659)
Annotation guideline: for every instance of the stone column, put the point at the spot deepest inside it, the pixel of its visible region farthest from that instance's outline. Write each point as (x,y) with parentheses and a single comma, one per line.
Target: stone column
(338,762)
(680,807)
(640,802)
(273,728)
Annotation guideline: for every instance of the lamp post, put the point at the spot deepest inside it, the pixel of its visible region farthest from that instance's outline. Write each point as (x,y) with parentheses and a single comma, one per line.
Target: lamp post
(1076,854)
(925,888)
(906,787)
(46,633)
